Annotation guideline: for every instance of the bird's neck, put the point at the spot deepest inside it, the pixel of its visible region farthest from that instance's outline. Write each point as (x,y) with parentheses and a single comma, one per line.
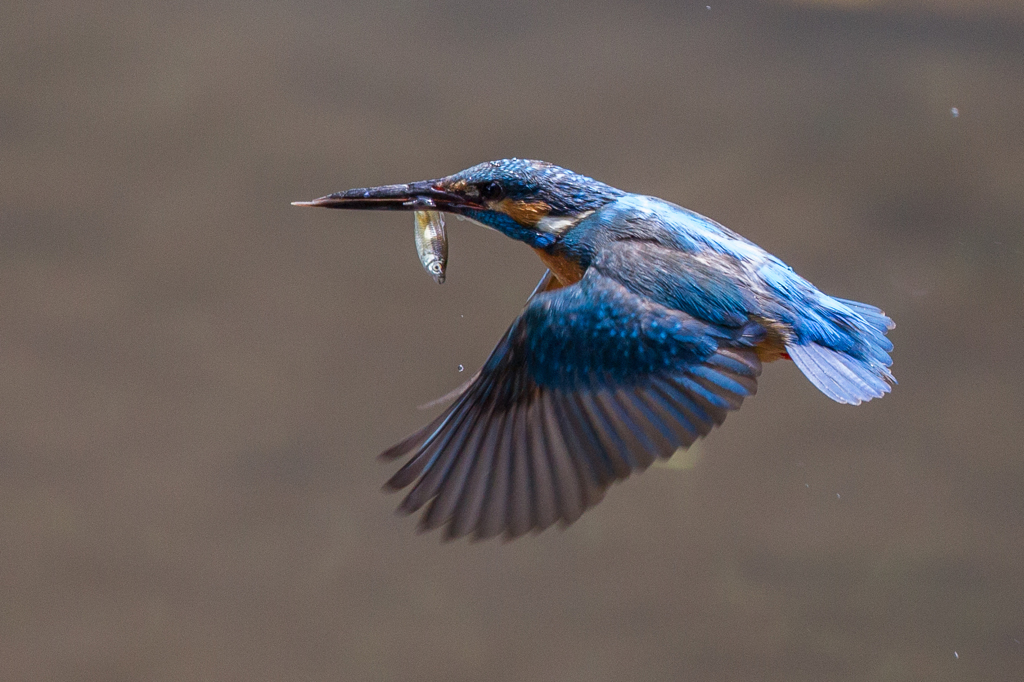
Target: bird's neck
(510,228)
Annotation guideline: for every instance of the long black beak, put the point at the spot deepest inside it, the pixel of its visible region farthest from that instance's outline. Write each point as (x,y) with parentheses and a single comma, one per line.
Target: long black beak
(415,196)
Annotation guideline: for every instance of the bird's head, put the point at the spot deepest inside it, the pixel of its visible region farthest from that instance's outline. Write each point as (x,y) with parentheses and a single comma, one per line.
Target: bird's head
(532,201)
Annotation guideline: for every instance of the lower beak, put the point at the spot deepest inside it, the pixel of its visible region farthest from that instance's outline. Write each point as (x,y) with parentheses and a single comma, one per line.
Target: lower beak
(415,196)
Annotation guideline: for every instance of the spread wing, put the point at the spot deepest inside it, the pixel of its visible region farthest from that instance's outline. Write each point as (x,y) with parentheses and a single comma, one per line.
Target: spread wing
(590,383)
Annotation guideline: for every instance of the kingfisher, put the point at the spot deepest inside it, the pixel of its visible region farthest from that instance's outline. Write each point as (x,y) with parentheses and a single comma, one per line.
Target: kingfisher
(651,323)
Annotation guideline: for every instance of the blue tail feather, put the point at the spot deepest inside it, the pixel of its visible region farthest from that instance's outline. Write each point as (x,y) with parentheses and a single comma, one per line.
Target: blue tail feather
(872,315)
(840,376)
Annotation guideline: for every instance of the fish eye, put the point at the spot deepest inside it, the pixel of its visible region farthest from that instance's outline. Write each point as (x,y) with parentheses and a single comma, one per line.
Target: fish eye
(491,191)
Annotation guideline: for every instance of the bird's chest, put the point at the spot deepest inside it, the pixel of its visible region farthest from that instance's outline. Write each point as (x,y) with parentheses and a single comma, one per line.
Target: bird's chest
(565,270)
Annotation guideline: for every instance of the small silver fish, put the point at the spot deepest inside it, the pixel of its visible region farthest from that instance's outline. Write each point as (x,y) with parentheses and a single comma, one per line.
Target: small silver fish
(432,243)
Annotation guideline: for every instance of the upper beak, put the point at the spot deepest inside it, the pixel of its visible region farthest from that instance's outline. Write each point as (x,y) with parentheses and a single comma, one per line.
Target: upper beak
(415,196)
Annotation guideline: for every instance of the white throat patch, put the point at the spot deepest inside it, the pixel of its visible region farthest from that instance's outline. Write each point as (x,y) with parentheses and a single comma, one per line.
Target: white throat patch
(559,224)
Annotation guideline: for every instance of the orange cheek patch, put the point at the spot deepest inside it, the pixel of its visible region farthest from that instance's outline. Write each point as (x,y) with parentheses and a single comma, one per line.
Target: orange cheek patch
(526,213)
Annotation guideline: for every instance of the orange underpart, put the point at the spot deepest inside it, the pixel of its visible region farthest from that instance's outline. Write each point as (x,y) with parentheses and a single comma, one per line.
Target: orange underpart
(565,271)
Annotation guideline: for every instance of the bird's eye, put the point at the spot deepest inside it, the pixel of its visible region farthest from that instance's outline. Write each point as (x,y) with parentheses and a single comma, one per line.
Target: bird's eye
(491,191)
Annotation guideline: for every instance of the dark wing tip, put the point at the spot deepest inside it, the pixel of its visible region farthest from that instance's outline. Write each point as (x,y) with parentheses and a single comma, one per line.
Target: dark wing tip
(485,472)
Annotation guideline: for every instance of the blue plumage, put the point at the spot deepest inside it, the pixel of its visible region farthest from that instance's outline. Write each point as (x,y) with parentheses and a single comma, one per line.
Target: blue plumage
(689,262)
(650,326)
(598,332)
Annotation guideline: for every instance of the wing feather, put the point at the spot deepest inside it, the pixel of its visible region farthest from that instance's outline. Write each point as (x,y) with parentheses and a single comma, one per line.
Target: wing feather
(520,506)
(566,480)
(469,507)
(587,442)
(663,441)
(591,383)
(496,501)
(545,500)
(636,447)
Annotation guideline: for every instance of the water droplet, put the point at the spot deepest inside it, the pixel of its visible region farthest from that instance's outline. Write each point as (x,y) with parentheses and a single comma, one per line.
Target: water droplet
(461,368)
(955,112)
(956,655)
(837,496)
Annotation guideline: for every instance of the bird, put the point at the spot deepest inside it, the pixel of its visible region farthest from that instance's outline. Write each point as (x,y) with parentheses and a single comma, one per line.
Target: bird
(651,323)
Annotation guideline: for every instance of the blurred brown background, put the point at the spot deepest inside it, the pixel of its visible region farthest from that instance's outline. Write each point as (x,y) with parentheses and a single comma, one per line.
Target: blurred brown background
(195,377)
